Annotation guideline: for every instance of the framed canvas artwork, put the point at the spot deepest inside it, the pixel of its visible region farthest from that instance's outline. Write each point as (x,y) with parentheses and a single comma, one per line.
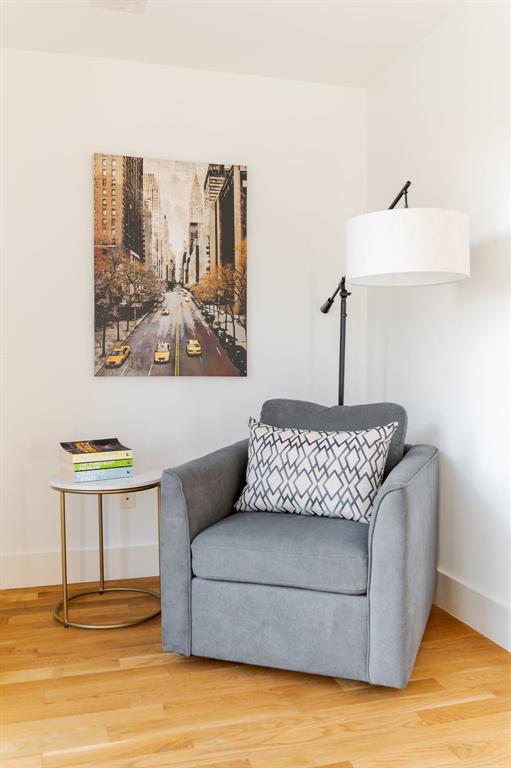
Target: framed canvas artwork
(170,267)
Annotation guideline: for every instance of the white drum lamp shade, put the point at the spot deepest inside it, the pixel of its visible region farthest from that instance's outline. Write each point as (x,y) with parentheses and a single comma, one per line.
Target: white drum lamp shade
(409,246)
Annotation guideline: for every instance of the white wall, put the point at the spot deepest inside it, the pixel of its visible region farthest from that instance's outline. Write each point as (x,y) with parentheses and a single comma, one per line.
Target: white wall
(305,148)
(440,117)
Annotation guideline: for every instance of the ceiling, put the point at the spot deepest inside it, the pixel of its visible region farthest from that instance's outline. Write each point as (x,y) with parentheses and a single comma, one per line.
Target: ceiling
(336,41)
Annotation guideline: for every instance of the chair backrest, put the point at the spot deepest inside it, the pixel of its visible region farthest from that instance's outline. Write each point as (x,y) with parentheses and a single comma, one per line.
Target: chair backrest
(303,415)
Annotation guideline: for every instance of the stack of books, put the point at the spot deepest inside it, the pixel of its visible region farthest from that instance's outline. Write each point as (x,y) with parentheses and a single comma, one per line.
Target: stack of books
(88,460)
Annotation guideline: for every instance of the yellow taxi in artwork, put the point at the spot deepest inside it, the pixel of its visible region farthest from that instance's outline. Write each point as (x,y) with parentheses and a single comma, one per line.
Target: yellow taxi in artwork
(118,356)
(162,352)
(193,348)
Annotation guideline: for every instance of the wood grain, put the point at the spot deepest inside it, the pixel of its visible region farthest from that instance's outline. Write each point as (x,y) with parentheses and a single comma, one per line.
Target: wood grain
(113,699)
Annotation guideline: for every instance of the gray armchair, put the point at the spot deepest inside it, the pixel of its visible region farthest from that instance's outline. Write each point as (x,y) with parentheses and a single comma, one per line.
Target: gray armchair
(321,595)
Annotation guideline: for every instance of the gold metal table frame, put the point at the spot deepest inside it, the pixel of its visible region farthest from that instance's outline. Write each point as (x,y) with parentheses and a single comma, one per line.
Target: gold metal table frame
(61,610)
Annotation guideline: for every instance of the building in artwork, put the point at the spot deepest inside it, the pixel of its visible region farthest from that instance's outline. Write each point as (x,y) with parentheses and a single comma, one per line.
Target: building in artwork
(170,269)
(108,201)
(225,217)
(196,201)
(184,272)
(193,252)
(167,255)
(232,216)
(118,204)
(133,207)
(197,246)
(213,183)
(148,234)
(152,220)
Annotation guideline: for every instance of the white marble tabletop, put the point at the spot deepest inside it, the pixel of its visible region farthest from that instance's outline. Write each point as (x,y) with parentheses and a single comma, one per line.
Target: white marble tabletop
(139,481)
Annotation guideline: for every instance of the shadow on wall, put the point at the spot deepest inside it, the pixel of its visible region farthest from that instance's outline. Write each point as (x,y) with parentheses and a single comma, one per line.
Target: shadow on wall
(474,465)
(442,352)
(490,263)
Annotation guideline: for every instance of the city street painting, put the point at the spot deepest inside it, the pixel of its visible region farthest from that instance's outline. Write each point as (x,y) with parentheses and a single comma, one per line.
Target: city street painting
(170,267)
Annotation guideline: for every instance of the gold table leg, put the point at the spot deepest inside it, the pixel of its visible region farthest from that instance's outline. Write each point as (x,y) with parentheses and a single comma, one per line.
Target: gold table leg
(101,550)
(63,547)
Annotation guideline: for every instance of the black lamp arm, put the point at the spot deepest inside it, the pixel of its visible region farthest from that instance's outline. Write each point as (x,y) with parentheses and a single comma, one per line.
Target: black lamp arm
(402,193)
(325,307)
(344,293)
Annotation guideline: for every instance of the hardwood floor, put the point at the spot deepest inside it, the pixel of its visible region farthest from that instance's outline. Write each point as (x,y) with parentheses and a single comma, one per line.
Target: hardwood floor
(111,698)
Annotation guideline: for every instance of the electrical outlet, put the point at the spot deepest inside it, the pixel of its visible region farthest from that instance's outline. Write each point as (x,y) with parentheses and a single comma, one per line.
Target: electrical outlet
(128,500)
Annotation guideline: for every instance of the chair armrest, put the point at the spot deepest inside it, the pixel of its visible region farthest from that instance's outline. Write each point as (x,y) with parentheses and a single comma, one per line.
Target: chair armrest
(402,565)
(193,496)
(207,486)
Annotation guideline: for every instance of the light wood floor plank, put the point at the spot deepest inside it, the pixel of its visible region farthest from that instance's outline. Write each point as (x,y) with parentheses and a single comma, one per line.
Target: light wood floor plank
(113,699)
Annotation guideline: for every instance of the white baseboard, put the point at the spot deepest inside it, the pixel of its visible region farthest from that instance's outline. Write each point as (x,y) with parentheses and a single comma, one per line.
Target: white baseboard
(487,616)
(44,568)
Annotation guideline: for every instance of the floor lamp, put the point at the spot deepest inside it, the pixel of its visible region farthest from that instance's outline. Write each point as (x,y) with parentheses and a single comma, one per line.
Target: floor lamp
(401,247)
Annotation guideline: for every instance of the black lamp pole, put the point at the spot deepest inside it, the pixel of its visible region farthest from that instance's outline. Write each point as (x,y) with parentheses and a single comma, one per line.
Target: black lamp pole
(344,293)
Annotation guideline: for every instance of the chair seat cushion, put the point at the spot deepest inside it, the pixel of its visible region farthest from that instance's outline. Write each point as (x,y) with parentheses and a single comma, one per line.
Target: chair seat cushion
(320,553)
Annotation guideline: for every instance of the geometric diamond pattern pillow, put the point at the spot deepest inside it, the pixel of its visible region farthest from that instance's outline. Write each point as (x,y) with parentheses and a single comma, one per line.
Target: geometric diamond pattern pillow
(310,472)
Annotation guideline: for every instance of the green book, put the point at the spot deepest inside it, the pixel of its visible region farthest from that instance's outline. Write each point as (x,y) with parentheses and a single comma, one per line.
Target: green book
(88,465)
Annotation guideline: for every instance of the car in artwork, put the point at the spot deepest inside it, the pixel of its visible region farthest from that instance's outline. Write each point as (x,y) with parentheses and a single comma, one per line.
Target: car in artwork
(193,348)
(226,340)
(162,352)
(118,356)
(165,311)
(238,355)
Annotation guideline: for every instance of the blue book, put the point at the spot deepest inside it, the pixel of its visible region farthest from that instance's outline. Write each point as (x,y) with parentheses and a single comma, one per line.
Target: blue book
(88,475)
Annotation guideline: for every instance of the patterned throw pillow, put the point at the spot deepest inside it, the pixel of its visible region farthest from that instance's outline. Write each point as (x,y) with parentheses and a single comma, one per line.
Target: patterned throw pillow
(329,474)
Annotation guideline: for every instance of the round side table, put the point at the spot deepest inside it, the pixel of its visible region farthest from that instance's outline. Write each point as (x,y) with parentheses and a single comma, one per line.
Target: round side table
(142,482)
